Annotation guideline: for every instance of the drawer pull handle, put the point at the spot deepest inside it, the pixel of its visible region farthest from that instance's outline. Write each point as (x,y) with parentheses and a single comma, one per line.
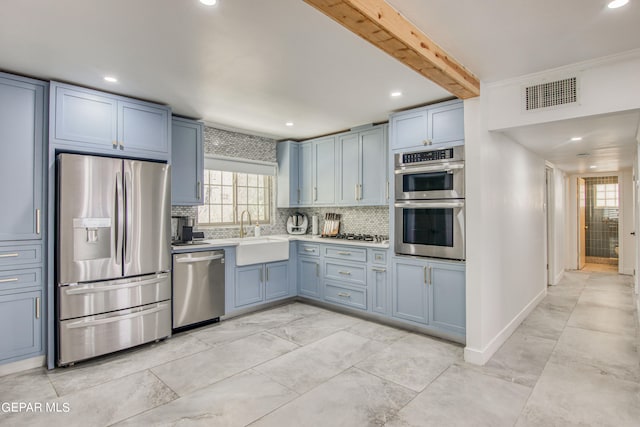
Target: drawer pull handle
(344,294)
(13,255)
(346,273)
(37,307)
(309,250)
(381,270)
(37,221)
(13,279)
(344,253)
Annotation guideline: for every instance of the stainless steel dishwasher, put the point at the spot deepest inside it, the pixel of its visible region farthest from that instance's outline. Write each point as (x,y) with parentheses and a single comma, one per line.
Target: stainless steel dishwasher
(198,287)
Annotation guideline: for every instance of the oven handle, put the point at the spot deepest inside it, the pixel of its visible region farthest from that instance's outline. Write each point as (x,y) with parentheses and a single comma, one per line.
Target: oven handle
(443,167)
(429,205)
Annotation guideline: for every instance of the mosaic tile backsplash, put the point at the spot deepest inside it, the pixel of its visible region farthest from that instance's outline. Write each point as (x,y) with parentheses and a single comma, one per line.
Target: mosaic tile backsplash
(357,220)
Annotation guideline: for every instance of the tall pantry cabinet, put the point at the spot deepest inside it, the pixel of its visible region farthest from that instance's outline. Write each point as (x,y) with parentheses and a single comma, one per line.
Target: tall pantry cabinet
(23,117)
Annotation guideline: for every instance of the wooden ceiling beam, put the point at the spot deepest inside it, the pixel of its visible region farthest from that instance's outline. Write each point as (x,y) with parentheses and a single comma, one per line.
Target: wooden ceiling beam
(381,25)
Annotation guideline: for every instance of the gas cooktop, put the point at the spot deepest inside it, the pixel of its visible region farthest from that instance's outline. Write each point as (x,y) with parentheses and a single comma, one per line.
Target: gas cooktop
(360,237)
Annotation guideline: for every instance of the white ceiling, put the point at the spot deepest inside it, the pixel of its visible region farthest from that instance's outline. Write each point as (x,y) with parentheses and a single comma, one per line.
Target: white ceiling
(256,64)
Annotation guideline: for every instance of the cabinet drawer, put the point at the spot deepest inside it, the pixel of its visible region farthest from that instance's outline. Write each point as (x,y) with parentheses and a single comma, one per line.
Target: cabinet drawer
(18,279)
(17,255)
(379,257)
(356,274)
(351,297)
(346,254)
(308,250)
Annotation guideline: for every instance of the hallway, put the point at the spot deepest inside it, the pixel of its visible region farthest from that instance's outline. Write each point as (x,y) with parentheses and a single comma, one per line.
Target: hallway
(587,331)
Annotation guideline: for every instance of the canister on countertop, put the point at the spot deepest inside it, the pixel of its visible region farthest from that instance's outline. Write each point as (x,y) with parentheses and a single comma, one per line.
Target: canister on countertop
(314,225)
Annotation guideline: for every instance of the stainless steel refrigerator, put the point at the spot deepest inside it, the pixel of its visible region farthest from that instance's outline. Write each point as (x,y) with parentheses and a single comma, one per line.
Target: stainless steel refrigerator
(113,255)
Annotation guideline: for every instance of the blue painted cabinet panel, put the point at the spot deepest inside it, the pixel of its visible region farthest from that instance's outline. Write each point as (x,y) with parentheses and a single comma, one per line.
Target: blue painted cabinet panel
(373,167)
(187,162)
(248,289)
(276,278)
(305,174)
(324,171)
(349,177)
(99,122)
(20,325)
(410,291)
(143,127)
(378,285)
(83,116)
(409,129)
(446,123)
(309,277)
(288,174)
(447,308)
(22,112)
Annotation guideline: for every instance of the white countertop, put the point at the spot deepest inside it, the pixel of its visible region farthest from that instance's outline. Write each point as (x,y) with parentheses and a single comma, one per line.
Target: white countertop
(208,244)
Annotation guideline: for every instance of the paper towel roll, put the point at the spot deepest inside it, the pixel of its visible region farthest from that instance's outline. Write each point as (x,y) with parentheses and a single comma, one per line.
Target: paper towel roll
(314,225)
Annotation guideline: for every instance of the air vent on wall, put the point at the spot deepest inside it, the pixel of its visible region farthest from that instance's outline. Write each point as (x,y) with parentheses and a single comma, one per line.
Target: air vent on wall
(551,94)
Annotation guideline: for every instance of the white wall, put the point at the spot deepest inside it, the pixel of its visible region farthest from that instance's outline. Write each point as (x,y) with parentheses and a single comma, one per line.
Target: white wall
(606,85)
(627,244)
(558,209)
(505,234)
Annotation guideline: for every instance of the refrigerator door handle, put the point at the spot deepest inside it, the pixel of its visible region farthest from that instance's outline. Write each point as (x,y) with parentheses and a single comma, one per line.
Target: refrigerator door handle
(119,217)
(128,214)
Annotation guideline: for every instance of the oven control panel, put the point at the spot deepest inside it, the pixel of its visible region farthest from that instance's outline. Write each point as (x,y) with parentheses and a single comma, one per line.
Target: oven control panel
(427,156)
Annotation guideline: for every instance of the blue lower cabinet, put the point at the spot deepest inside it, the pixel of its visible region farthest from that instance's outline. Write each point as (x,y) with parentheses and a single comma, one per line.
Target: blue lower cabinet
(447,308)
(276,278)
(309,277)
(20,325)
(350,296)
(248,289)
(261,283)
(410,291)
(378,284)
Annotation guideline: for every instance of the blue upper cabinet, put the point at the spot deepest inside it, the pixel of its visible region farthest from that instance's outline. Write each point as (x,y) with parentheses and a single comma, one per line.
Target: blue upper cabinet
(22,134)
(98,122)
(324,171)
(305,174)
(187,162)
(441,123)
(288,179)
(349,178)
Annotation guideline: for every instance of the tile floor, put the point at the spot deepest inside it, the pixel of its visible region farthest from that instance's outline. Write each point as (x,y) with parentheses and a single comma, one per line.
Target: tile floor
(573,361)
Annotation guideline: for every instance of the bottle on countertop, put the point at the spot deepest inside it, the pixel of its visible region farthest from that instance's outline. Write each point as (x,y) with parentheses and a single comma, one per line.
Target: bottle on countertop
(257,231)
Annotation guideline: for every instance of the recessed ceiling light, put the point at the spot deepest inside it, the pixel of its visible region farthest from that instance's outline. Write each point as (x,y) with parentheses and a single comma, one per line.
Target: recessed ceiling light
(592,167)
(617,3)
(209,2)
(289,124)
(396,93)
(110,79)
(576,138)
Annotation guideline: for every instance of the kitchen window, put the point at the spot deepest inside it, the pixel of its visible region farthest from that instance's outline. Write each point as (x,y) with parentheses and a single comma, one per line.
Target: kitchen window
(232,186)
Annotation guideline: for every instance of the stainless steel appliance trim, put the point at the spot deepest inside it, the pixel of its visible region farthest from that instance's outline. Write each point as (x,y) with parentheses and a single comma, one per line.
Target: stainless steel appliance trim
(199,259)
(128,232)
(86,323)
(119,218)
(444,167)
(75,290)
(458,155)
(430,205)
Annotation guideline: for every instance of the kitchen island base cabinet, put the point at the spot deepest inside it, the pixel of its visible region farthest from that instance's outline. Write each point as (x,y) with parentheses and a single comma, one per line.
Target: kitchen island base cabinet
(261,283)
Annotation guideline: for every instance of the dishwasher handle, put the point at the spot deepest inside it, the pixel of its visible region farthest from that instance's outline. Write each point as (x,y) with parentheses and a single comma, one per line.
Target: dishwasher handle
(199,259)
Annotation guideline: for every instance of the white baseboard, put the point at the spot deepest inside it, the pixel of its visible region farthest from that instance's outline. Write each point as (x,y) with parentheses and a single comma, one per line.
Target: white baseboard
(627,271)
(481,356)
(21,365)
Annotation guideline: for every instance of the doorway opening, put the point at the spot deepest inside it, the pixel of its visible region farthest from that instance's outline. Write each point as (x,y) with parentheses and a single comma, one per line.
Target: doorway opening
(599,204)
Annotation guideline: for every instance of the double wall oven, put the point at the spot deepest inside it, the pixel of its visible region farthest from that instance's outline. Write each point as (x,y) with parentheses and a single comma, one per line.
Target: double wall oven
(429,203)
